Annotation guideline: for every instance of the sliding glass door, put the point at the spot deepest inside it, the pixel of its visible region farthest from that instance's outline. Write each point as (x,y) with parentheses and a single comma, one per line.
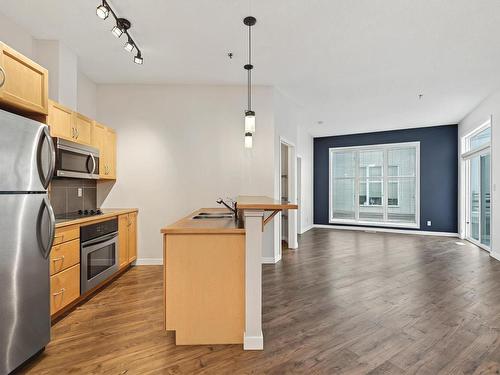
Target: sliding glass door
(375,185)
(477,161)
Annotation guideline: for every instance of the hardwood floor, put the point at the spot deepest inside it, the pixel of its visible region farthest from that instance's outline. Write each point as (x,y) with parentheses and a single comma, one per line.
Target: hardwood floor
(344,302)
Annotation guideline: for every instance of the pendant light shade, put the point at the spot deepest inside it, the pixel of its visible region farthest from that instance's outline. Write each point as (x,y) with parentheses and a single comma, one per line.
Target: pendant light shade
(249,122)
(248,140)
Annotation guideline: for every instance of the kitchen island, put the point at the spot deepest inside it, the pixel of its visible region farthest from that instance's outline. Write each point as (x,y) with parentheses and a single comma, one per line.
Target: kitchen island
(213,274)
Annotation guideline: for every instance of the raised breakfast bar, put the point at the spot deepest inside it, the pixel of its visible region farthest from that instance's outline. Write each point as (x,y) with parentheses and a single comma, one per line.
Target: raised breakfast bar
(213,273)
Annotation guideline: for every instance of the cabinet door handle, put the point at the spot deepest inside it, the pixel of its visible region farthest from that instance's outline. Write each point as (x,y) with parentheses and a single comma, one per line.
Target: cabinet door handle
(58,259)
(58,293)
(4,76)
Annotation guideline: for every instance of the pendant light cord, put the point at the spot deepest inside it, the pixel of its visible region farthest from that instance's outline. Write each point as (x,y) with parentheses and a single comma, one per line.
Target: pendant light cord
(250,70)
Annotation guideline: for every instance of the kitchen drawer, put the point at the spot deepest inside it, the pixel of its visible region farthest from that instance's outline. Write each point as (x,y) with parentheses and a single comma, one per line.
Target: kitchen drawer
(65,234)
(64,255)
(64,288)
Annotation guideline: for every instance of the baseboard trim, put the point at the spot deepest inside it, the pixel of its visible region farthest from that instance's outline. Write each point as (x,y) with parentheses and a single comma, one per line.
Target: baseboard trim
(494,255)
(253,342)
(149,262)
(309,227)
(388,230)
(270,260)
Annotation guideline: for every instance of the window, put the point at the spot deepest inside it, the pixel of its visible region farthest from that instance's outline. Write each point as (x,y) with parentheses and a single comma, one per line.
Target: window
(375,185)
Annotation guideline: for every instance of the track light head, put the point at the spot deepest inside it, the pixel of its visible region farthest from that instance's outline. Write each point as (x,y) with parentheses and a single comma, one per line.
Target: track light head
(122,25)
(102,10)
(129,46)
(117,31)
(138,58)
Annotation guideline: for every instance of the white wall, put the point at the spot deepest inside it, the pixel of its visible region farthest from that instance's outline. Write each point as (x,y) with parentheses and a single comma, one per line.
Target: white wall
(86,96)
(489,107)
(15,36)
(180,148)
(290,120)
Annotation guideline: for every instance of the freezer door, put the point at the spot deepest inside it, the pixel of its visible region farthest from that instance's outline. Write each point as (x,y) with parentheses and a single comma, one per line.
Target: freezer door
(26,232)
(27,154)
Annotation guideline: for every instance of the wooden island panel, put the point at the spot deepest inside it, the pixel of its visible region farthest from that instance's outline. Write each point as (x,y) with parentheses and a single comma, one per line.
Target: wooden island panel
(205,287)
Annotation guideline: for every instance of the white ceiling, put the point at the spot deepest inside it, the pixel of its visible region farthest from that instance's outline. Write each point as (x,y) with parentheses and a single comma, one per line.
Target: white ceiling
(356,65)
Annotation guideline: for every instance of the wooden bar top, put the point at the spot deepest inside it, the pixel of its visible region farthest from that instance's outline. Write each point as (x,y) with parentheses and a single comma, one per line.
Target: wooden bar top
(214,226)
(260,202)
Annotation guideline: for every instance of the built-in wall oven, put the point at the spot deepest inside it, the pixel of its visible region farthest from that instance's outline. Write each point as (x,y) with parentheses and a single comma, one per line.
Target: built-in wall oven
(76,160)
(99,253)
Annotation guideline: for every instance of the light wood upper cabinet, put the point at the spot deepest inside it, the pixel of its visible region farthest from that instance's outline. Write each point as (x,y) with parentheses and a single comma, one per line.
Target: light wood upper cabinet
(132,236)
(111,154)
(83,129)
(104,139)
(61,121)
(23,83)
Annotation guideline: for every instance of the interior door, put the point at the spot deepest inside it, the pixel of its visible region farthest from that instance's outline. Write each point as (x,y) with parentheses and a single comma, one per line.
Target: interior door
(478,170)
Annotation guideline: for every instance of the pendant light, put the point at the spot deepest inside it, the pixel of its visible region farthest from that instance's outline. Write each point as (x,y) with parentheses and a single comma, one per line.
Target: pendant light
(249,114)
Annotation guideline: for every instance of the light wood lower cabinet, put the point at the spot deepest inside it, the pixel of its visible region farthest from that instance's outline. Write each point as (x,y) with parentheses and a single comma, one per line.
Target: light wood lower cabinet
(64,256)
(127,238)
(64,288)
(65,234)
(23,83)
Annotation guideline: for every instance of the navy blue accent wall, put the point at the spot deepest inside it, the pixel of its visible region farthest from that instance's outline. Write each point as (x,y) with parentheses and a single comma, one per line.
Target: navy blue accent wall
(438,171)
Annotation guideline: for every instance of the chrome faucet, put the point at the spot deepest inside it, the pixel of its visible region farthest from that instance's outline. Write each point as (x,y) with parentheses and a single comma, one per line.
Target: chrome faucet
(233,209)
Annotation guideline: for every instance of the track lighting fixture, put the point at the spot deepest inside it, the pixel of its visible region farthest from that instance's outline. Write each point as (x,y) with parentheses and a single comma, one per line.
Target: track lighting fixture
(121,27)
(102,10)
(249,114)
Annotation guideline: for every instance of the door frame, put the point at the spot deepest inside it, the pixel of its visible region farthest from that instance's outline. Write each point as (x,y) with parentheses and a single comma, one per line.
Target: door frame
(299,194)
(292,196)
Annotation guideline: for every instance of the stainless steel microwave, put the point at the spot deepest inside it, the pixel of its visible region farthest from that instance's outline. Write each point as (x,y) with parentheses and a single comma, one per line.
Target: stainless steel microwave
(76,160)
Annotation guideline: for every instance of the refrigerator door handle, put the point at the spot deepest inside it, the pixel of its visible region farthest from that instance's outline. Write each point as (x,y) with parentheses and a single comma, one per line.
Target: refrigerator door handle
(45,137)
(46,248)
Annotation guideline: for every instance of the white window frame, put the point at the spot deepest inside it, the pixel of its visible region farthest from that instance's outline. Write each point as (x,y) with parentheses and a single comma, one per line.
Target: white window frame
(467,156)
(385,223)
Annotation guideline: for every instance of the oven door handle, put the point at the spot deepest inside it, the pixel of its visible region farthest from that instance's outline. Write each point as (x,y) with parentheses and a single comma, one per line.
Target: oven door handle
(102,241)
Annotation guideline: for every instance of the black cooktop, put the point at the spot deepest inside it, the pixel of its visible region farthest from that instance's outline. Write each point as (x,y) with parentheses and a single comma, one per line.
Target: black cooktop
(77,215)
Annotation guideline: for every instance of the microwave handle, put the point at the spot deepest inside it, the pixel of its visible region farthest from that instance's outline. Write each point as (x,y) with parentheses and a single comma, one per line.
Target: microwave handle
(94,165)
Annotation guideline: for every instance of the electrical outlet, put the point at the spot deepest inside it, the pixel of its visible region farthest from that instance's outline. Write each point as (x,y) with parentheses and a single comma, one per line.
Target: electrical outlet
(429,223)
(80,192)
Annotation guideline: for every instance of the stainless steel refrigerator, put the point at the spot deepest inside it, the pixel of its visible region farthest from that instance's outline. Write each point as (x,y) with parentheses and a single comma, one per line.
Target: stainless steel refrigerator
(27,161)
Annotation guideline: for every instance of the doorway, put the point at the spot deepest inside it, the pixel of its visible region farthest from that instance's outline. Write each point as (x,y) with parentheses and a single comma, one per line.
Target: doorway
(286,230)
(477,165)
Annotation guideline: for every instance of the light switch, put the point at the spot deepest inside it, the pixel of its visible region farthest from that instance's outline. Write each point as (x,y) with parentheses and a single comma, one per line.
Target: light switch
(429,223)
(80,192)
